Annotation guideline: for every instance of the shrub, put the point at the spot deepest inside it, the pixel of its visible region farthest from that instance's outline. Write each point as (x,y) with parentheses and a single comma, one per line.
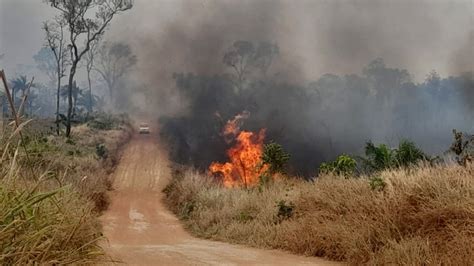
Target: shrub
(408,154)
(285,210)
(378,157)
(377,183)
(275,157)
(103,121)
(101,151)
(381,157)
(343,165)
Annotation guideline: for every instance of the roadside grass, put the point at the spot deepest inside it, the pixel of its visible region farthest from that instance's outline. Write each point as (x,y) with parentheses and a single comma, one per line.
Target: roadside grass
(416,216)
(52,190)
(46,225)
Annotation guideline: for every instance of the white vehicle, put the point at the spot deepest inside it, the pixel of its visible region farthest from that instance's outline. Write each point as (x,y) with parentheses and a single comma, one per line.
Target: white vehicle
(144,129)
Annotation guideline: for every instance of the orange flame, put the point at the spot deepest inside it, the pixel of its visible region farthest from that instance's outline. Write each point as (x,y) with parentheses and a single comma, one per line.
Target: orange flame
(245,166)
(232,128)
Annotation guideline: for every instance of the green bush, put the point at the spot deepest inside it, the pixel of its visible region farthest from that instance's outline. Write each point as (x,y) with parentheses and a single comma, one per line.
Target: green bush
(378,157)
(343,165)
(377,183)
(275,157)
(381,157)
(408,154)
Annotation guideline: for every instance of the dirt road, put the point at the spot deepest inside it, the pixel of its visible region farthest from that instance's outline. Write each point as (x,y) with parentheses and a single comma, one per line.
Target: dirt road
(141,231)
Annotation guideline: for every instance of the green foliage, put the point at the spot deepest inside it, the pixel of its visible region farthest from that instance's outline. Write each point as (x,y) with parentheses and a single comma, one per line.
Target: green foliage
(275,157)
(381,157)
(343,165)
(408,154)
(377,183)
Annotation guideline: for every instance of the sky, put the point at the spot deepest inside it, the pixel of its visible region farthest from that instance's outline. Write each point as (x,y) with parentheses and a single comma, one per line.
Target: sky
(315,36)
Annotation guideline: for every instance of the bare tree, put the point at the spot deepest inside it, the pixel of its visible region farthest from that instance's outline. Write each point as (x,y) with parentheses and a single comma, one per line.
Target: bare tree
(114,61)
(55,40)
(244,56)
(87,21)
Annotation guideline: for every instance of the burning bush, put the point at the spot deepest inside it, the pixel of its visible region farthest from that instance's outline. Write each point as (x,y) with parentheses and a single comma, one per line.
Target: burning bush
(250,160)
(246,164)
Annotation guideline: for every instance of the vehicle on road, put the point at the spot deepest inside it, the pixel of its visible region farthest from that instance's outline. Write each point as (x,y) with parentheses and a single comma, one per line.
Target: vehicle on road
(144,128)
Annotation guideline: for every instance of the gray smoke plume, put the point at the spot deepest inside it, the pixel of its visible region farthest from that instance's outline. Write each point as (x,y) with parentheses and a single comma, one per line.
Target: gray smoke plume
(313,114)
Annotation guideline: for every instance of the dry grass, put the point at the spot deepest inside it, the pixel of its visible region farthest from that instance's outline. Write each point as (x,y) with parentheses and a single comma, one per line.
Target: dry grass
(75,161)
(51,191)
(46,225)
(423,216)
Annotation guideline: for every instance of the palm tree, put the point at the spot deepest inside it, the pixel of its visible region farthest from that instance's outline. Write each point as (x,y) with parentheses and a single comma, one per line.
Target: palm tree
(22,85)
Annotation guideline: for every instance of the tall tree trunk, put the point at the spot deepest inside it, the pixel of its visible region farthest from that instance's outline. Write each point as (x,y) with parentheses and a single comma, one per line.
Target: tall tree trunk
(57,101)
(111,85)
(69,98)
(90,91)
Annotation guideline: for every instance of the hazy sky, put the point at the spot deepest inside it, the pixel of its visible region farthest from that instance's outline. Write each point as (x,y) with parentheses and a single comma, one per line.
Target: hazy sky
(316,36)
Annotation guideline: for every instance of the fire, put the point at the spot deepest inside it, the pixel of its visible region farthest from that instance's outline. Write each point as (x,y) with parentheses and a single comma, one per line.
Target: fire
(245,166)
(232,128)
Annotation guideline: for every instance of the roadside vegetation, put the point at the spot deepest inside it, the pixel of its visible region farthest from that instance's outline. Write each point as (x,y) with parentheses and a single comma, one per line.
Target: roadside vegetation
(393,206)
(52,190)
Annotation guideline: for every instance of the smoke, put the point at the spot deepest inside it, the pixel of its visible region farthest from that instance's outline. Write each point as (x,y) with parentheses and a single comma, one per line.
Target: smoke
(313,114)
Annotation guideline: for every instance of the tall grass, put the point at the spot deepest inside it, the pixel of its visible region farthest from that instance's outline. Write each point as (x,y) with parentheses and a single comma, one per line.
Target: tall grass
(46,226)
(418,216)
(51,191)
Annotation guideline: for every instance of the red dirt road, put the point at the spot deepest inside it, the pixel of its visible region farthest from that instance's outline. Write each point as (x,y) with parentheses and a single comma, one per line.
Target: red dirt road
(141,231)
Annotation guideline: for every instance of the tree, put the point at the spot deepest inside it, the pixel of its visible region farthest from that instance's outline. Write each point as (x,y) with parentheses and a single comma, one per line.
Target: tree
(21,84)
(114,61)
(75,92)
(86,28)
(54,67)
(90,56)
(46,62)
(244,55)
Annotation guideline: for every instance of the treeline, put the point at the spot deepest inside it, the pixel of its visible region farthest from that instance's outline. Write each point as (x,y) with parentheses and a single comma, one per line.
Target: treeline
(318,120)
(74,42)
